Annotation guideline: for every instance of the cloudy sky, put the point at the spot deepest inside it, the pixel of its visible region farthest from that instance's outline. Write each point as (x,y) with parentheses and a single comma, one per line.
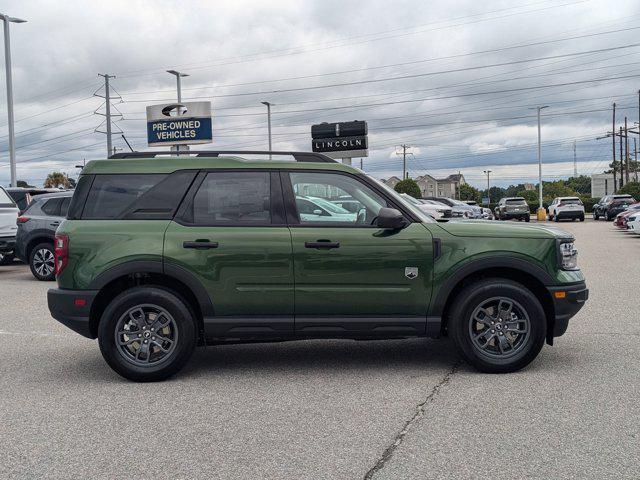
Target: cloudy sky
(458,81)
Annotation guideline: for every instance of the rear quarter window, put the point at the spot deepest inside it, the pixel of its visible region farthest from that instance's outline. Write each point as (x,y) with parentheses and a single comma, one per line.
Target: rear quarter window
(112,195)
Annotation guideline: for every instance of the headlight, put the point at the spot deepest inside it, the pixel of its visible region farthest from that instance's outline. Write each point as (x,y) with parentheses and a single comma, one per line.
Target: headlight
(567,255)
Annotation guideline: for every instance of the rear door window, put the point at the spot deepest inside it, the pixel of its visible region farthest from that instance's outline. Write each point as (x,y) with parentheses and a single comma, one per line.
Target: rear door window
(233,198)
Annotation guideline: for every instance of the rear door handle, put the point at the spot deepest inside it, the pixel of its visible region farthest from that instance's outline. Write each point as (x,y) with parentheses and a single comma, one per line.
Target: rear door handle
(54,224)
(200,244)
(324,244)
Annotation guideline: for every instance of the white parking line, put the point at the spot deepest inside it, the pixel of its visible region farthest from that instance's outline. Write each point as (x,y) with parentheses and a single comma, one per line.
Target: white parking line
(41,334)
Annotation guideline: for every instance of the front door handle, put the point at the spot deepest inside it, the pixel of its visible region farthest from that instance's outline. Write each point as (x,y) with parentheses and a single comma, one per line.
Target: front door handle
(324,244)
(200,244)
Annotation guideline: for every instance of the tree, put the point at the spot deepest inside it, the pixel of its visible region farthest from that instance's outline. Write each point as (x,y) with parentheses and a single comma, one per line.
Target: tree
(467,192)
(408,186)
(555,189)
(72,182)
(631,188)
(580,184)
(56,180)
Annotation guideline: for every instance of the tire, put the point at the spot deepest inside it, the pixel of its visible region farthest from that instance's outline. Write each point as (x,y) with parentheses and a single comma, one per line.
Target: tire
(607,217)
(134,361)
(527,218)
(42,262)
(595,216)
(550,217)
(525,346)
(582,218)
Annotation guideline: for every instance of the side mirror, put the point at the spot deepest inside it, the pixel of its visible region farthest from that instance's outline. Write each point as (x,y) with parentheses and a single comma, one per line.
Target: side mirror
(390,218)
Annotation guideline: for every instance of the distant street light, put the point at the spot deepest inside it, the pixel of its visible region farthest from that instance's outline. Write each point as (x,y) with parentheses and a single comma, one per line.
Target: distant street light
(7,60)
(268,123)
(541,210)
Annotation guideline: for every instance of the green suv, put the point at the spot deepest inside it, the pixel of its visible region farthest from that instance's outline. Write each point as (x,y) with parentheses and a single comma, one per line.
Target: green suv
(159,254)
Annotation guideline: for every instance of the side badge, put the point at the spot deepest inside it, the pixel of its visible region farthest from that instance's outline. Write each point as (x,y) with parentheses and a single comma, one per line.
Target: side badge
(411,272)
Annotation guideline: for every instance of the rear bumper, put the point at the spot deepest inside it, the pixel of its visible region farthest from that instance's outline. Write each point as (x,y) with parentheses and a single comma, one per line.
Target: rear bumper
(570,214)
(72,308)
(7,244)
(516,214)
(567,301)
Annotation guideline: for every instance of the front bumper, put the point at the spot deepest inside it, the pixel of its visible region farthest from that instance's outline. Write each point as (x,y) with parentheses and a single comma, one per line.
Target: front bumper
(72,308)
(7,244)
(567,301)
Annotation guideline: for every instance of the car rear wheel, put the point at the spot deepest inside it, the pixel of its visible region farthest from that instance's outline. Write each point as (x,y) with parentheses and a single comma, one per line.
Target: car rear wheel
(42,262)
(498,325)
(582,218)
(147,333)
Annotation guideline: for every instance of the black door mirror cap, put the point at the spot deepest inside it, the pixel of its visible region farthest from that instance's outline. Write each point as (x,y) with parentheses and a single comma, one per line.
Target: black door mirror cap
(390,219)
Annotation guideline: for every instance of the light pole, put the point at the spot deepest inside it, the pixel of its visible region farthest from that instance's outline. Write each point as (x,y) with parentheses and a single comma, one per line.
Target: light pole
(179,75)
(487,172)
(542,214)
(268,123)
(7,60)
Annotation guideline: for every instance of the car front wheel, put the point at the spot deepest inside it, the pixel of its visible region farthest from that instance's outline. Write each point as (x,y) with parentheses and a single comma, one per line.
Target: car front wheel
(147,333)
(498,325)
(42,262)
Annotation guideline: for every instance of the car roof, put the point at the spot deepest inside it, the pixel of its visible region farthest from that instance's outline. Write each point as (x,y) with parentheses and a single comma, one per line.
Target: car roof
(171,164)
(44,196)
(514,198)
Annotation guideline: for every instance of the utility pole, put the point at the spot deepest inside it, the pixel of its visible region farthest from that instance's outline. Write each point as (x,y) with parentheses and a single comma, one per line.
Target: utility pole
(107,106)
(7,61)
(404,160)
(268,124)
(621,183)
(575,160)
(635,155)
(626,151)
(542,214)
(613,137)
(487,172)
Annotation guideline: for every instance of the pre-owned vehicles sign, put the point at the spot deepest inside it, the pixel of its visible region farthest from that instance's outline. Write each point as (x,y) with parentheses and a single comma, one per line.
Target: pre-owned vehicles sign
(179,124)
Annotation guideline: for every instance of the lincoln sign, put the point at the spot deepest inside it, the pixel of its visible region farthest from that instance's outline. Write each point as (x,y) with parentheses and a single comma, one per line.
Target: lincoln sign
(179,124)
(340,140)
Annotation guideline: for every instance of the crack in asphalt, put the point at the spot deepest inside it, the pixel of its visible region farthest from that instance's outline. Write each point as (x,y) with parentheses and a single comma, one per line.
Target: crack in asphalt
(419,413)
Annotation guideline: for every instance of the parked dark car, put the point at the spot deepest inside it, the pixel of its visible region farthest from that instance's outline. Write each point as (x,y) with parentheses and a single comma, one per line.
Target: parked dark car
(36,232)
(611,205)
(24,196)
(512,207)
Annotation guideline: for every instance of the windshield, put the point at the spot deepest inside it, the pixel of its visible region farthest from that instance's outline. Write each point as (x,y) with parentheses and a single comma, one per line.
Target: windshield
(571,201)
(398,198)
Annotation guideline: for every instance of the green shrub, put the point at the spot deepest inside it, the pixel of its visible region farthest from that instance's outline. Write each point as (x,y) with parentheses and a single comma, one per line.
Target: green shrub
(408,186)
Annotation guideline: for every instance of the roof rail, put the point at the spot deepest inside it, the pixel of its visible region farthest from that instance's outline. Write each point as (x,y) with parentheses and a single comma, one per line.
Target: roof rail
(298,156)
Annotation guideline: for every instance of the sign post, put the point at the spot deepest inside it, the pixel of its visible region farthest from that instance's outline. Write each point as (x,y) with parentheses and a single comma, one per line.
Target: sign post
(176,124)
(345,140)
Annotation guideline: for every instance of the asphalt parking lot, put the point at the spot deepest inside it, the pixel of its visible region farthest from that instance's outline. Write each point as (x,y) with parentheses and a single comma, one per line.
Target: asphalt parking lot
(331,409)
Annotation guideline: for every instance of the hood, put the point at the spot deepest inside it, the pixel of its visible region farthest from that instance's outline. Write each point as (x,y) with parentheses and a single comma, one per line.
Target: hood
(489,228)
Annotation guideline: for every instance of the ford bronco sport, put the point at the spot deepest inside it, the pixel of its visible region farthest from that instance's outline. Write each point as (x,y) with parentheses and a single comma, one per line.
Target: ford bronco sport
(159,254)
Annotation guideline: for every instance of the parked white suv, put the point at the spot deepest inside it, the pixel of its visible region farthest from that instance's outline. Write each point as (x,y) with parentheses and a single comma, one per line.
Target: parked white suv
(566,207)
(8,227)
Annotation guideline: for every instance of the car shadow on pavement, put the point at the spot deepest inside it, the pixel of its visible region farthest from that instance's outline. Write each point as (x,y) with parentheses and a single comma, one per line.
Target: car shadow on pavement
(323,356)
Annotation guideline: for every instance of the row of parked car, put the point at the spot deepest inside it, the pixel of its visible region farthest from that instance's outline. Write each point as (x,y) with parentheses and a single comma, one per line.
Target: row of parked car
(629,218)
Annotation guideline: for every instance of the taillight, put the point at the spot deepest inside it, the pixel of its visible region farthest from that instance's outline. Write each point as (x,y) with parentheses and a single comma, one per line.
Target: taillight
(61,252)
(22,220)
